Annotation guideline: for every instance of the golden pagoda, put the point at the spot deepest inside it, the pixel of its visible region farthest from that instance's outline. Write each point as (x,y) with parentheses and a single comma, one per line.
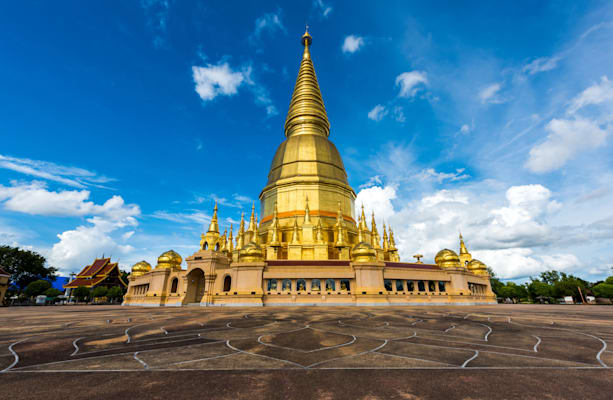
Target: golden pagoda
(307,248)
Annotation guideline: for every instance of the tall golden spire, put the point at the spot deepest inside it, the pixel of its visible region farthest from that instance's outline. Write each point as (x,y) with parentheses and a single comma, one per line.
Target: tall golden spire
(307,113)
(230,240)
(214,226)
(251,226)
(386,244)
(374,233)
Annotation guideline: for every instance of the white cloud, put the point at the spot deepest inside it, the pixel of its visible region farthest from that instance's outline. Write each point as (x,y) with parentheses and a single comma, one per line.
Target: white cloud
(195,216)
(156,12)
(70,176)
(399,114)
(429,174)
(566,138)
(35,199)
(76,247)
(214,80)
(465,128)
(324,8)
(593,95)
(352,43)
(377,113)
(269,22)
(489,94)
(409,82)
(541,64)
(504,235)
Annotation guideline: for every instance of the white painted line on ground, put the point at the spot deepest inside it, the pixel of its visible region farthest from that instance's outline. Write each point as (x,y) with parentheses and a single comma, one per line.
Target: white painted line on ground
(470,359)
(207,358)
(76,347)
(14,353)
(349,356)
(538,341)
(450,328)
(140,361)
(164,330)
(261,355)
(489,331)
(412,358)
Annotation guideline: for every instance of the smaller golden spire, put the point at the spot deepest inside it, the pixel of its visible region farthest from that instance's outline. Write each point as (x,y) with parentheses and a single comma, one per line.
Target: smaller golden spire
(363,226)
(274,240)
(463,249)
(374,233)
(295,238)
(252,219)
(340,239)
(319,237)
(214,226)
(386,245)
(231,240)
(256,236)
(224,241)
(392,242)
(307,212)
(240,239)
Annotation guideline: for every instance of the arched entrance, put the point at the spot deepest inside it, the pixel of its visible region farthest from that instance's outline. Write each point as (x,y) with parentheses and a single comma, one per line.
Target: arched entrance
(227,283)
(195,286)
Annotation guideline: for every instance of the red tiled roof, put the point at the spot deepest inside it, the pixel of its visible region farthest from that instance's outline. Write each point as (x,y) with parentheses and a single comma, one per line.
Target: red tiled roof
(84,282)
(411,265)
(93,269)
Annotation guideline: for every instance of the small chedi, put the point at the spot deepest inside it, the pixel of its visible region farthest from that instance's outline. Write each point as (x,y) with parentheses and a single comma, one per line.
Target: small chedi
(307,248)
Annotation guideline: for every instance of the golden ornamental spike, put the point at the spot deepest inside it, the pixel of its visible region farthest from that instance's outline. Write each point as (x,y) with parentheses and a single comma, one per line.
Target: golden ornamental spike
(295,238)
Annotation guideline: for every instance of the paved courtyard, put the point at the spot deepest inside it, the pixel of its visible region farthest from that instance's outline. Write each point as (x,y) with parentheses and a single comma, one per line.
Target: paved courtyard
(502,351)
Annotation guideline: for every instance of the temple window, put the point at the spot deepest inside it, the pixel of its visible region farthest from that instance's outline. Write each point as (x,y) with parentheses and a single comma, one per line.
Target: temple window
(206,246)
(441,286)
(345,284)
(173,286)
(272,284)
(399,286)
(388,285)
(315,284)
(330,285)
(301,285)
(421,286)
(410,286)
(217,247)
(286,285)
(431,286)
(227,283)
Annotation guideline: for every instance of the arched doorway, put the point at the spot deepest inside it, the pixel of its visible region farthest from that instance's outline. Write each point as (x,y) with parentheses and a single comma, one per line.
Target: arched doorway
(227,283)
(195,286)
(173,285)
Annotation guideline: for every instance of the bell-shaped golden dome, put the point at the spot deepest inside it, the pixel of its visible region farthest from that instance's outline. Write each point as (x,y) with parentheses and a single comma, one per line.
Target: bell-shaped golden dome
(477,267)
(140,268)
(251,252)
(447,259)
(363,252)
(169,259)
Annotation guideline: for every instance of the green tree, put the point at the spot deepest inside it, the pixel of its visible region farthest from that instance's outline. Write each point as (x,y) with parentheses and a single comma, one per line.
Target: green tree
(604,289)
(25,266)
(568,285)
(609,280)
(52,292)
(550,277)
(114,293)
(81,293)
(513,291)
(538,288)
(100,291)
(37,288)
(495,282)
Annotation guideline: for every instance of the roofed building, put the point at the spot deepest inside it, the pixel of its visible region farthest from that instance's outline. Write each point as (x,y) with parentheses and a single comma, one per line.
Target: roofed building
(102,272)
(308,247)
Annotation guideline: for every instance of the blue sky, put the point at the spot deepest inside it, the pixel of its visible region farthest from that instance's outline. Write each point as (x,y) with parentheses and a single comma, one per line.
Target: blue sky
(123,122)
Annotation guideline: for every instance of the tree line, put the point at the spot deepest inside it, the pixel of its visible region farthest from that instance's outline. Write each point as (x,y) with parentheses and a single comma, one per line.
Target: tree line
(550,286)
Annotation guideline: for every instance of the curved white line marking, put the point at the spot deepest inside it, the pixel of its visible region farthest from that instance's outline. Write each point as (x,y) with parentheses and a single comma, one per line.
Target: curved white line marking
(76,347)
(470,359)
(164,330)
(262,355)
(14,353)
(352,355)
(419,320)
(448,329)
(488,333)
(538,341)
(140,361)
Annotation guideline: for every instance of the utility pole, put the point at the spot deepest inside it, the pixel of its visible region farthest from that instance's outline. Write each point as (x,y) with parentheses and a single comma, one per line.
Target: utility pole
(581,294)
